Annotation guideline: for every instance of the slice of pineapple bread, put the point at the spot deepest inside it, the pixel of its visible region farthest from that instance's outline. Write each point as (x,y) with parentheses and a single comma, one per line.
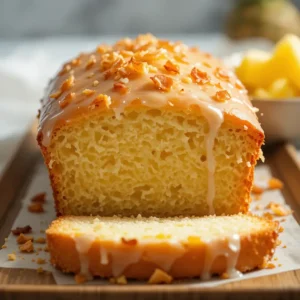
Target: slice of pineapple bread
(181,247)
(149,127)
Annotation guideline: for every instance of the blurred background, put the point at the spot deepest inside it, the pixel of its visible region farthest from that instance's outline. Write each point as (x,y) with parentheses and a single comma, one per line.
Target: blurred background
(37,36)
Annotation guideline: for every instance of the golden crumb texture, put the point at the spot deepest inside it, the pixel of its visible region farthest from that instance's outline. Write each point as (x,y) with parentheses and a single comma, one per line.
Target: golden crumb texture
(179,247)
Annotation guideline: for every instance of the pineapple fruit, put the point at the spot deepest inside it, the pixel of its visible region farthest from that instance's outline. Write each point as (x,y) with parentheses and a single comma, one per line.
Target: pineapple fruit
(273,75)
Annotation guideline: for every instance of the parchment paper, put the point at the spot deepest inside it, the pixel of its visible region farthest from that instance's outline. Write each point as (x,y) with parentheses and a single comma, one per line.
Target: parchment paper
(286,259)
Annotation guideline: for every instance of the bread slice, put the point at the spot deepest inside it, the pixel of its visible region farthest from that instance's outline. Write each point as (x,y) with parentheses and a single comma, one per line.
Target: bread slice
(182,247)
(149,127)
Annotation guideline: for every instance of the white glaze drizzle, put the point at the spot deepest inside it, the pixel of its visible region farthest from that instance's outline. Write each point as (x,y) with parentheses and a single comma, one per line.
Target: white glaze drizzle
(83,243)
(230,248)
(103,256)
(215,119)
(234,245)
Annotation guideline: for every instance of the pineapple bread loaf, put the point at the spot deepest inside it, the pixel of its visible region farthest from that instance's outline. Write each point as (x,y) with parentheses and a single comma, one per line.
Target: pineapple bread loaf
(182,247)
(149,127)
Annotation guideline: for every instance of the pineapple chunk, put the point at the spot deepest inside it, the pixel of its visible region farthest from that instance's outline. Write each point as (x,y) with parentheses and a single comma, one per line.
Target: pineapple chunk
(253,68)
(282,88)
(286,59)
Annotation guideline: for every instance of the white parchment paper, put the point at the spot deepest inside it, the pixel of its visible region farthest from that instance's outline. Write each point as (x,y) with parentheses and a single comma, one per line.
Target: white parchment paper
(286,258)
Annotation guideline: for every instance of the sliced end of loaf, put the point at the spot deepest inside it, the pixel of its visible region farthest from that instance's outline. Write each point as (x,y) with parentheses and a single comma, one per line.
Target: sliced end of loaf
(182,247)
(152,162)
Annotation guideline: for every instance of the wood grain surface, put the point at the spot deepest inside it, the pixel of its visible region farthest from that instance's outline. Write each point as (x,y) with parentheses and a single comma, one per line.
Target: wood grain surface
(23,283)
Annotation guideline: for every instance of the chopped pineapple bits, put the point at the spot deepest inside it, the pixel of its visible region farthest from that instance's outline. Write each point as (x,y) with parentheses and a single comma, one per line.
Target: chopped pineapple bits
(273,75)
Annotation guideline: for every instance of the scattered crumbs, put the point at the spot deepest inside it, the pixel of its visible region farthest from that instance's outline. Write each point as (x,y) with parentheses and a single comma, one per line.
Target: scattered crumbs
(19,230)
(280,229)
(257,190)
(275,258)
(3,246)
(36,207)
(224,275)
(39,198)
(275,183)
(119,280)
(257,197)
(22,239)
(270,266)
(279,265)
(278,242)
(40,270)
(12,256)
(40,240)
(258,207)
(42,231)
(27,247)
(33,260)
(112,280)
(160,276)
(41,261)
(280,210)
(39,249)
(282,220)
(284,246)
(6,239)
(268,216)
(79,278)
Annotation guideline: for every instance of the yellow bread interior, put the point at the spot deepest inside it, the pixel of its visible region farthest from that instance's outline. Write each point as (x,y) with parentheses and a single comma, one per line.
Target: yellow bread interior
(151,162)
(151,229)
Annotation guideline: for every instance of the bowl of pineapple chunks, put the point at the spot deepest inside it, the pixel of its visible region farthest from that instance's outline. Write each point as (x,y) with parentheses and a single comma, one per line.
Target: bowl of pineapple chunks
(273,82)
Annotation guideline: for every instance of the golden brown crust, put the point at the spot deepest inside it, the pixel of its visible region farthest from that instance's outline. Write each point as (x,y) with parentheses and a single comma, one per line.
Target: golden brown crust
(256,249)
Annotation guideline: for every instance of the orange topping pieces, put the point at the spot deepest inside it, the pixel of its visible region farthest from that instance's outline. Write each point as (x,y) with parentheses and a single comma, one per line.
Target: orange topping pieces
(65,69)
(275,183)
(162,82)
(199,77)
(222,74)
(278,209)
(22,239)
(79,278)
(67,84)
(130,242)
(41,197)
(76,62)
(160,276)
(120,87)
(27,247)
(257,190)
(222,96)
(88,92)
(36,207)
(67,100)
(91,62)
(102,99)
(171,67)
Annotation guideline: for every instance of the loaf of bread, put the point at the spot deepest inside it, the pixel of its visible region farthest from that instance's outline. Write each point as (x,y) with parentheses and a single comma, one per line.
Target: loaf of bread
(149,127)
(181,247)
